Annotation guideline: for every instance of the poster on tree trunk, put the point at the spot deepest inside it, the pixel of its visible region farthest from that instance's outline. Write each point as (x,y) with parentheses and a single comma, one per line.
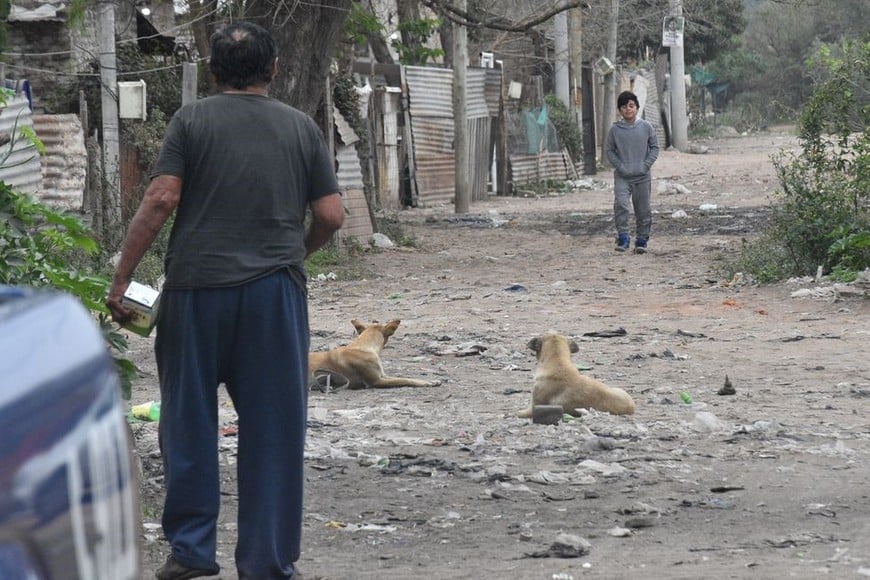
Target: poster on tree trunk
(672,31)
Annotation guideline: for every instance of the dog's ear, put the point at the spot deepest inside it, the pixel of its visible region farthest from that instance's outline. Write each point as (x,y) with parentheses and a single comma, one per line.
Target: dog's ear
(573,346)
(390,327)
(535,345)
(360,327)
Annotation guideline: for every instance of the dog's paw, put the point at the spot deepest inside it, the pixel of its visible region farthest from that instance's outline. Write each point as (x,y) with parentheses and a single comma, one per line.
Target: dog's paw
(435,383)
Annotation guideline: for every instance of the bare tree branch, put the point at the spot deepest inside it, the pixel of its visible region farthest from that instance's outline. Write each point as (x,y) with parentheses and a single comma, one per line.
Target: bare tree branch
(449,11)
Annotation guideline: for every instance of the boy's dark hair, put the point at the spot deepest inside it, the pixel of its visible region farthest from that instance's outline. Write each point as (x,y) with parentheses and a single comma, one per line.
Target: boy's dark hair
(242,54)
(624,98)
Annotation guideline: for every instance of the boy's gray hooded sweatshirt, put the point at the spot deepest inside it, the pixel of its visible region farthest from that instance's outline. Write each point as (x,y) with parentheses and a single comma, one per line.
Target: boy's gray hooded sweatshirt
(632,149)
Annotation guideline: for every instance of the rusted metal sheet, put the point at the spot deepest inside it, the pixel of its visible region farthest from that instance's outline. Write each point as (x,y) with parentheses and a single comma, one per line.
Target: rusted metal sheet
(546,166)
(433,151)
(433,136)
(652,108)
(493,91)
(430,91)
(480,139)
(357,220)
(436,178)
(345,132)
(65,163)
(475,94)
(431,105)
(387,111)
(134,179)
(349,171)
(20,166)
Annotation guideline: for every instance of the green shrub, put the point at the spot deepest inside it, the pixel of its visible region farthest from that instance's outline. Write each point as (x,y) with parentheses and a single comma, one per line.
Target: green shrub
(36,243)
(822,217)
(569,132)
(323,260)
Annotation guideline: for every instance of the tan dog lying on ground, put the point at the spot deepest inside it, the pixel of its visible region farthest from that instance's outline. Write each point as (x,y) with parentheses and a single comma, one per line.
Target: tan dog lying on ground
(558,382)
(360,361)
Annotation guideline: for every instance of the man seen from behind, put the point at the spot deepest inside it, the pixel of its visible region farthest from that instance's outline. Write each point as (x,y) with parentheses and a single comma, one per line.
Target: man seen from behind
(239,170)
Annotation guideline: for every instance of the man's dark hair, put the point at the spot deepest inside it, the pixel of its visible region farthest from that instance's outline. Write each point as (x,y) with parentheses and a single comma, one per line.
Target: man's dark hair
(242,54)
(624,98)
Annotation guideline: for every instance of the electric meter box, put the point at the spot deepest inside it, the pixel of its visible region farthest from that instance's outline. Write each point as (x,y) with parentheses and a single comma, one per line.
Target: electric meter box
(131,100)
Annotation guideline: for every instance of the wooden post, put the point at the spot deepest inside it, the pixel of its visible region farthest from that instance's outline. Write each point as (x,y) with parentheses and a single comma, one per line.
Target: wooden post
(188,82)
(575,24)
(111,140)
(408,139)
(462,196)
(501,149)
(590,153)
(561,58)
(679,119)
(88,193)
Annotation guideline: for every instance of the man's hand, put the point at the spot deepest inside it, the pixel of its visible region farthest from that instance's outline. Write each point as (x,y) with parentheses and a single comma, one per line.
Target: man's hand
(159,201)
(120,313)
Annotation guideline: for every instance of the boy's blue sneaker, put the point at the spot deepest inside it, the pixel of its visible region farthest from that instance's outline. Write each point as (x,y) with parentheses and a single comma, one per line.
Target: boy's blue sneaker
(622,242)
(640,246)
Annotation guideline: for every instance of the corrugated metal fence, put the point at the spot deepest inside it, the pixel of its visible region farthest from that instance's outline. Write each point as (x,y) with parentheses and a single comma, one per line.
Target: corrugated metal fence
(20,166)
(430,95)
(65,163)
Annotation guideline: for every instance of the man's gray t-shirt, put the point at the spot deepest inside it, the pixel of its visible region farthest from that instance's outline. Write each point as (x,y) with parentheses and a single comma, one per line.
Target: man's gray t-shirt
(249,166)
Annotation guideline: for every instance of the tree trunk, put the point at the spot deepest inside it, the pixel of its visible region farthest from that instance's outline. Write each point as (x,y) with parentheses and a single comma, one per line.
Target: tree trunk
(445,31)
(307,34)
(376,40)
(608,107)
(379,47)
(408,11)
(202,21)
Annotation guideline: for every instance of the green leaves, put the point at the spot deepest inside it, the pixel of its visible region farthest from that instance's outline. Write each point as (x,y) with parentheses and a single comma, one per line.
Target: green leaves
(822,217)
(36,242)
(417,33)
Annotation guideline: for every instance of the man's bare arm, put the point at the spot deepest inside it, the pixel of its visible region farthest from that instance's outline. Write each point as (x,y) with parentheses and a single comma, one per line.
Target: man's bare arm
(327,217)
(160,200)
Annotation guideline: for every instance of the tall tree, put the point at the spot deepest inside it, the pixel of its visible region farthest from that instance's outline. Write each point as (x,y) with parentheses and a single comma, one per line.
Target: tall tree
(712,26)
(307,33)
(202,16)
(363,26)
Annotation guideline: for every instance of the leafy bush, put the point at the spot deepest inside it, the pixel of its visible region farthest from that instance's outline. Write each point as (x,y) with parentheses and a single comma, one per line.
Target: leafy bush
(569,132)
(35,244)
(322,260)
(823,214)
(417,33)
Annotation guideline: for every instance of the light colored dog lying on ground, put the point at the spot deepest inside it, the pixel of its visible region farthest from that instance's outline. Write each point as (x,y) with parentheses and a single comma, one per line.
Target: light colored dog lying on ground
(558,382)
(360,361)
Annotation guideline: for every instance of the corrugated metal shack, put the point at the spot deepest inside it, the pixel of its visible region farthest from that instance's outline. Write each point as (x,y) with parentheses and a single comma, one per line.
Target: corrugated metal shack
(413,133)
(358,222)
(65,163)
(430,103)
(20,166)
(56,177)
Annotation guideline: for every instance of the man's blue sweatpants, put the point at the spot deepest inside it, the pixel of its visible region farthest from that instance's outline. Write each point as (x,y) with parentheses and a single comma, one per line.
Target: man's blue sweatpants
(254,338)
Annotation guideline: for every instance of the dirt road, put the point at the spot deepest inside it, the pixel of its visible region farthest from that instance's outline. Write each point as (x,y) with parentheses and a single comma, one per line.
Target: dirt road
(446,483)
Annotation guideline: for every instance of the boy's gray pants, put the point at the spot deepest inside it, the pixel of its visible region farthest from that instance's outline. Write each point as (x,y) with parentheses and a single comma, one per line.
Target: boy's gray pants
(627,195)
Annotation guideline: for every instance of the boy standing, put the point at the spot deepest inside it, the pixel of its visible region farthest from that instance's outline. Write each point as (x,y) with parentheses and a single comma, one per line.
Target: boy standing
(631,147)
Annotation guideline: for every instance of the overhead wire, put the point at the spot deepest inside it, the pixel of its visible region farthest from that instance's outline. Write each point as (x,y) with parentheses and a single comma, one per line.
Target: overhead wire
(176,28)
